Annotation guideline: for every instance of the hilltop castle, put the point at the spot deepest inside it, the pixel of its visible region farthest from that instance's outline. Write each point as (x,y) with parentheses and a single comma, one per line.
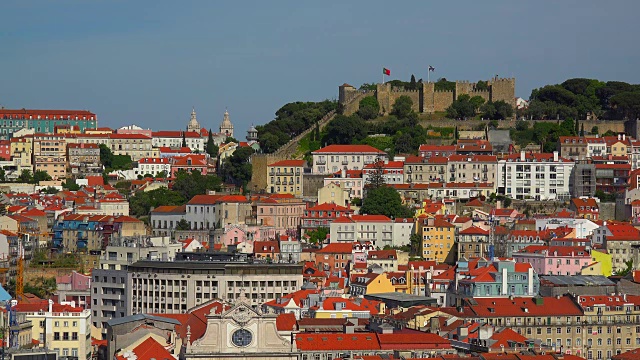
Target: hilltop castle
(426,99)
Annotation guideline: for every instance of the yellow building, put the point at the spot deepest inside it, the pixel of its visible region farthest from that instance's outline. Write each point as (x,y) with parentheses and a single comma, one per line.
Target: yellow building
(333,193)
(285,177)
(617,145)
(21,145)
(430,208)
(438,239)
(601,264)
(65,329)
(371,283)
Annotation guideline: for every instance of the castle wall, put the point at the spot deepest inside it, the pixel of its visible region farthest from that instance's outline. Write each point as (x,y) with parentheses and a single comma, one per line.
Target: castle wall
(503,89)
(413,94)
(442,100)
(486,95)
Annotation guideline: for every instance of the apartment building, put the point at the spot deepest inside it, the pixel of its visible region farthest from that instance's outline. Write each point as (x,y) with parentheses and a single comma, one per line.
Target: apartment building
(619,239)
(77,232)
(109,282)
(282,211)
(390,171)
(349,180)
(333,158)
(189,163)
(164,219)
(480,278)
(428,151)
(65,329)
(83,160)
(173,287)
(377,229)
(137,146)
(285,177)
(554,260)
(472,168)
(534,176)
(334,257)
(211,211)
(322,215)
(424,170)
(473,242)
(49,155)
(153,166)
(438,239)
(194,140)
(581,148)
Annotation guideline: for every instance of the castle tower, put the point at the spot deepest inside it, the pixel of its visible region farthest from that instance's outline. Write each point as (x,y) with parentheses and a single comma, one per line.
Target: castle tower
(252,134)
(193,125)
(226,127)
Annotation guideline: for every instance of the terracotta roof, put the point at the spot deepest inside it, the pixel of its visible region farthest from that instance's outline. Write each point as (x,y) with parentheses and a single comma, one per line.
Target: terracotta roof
(286,322)
(623,232)
(437,148)
(151,349)
(336,248)
(474,230)
(607,300)
(520,306)
(382,255)
(574,251)
(334,342)
(331,149)
(266,247)
(294,163)
(168,209)
(629,355)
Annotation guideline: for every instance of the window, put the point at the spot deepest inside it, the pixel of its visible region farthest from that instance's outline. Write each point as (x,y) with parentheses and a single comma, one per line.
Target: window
(56,336)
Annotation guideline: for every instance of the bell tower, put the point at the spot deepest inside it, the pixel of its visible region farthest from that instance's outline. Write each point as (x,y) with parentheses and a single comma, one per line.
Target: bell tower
(226,127)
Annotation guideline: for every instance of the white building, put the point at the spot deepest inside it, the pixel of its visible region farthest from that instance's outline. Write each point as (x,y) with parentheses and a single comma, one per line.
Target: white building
(584,227)
(153,166)
(535,176)
(402,230)
(333,158)
(378,229)
(392,171)
(195,141)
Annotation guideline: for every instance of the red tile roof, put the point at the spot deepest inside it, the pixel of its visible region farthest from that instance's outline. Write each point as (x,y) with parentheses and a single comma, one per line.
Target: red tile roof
(294,163)
(266,247)
(336,248)
(549,306)
(151,349)
(337,342)
(629,355)
(506,338)
(474,230)
(286,322)
(607,300)
(556,250)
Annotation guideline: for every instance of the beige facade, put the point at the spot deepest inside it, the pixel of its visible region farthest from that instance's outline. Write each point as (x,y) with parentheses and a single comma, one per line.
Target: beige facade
(83,159)
(285,177)
(333,193)
(472,168)
(135,145)
(49,155)
(419,170)
(64,332)
(176,286)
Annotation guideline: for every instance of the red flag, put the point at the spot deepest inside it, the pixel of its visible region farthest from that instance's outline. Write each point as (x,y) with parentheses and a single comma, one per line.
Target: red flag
(386,71)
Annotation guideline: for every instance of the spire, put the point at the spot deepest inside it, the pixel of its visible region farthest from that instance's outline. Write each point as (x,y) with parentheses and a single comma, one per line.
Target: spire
(226,127)
(193,122)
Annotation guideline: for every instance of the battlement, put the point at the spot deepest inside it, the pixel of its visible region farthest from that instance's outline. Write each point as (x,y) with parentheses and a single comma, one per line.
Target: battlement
(401,89)
(428,99)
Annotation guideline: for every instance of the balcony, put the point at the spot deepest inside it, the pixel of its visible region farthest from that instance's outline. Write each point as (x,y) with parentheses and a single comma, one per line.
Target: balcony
(81,244)
(321,161)
(441,171)
(345,162)
(291,182)
(452,169)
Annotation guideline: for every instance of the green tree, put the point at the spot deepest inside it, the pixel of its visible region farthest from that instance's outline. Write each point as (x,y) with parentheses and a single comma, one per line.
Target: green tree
(319,235)
(49,190)
(184,139)
(106,156)
(375,178)
(237,168)
(404,144)
(2,175)
(416,245)
(503,110)
(482,85)
(212,148)
(183,224)
(25,176)
(413,85)
(594,130)
(369,108)
(71,185)
(41,175)
(582,129)
(522,125)
(345,130)
(386,201)
(194,183)
(627,270)
(402,107)
(444,85)
(141,203)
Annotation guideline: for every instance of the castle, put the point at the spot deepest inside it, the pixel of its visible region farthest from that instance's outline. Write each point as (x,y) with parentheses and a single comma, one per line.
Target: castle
(426,99)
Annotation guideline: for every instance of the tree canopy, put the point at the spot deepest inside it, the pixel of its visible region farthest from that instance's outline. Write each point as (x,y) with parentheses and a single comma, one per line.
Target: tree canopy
(141,203)
(402,107)
(291,120)
(237,168)
(345,130)
(575,98)
(191,184)
(386,201)
(211,147)
(369,108)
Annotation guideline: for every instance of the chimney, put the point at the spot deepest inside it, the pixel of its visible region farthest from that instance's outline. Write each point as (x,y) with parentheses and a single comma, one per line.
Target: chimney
(343,173)
(50,306)
(619,137)
(555,156)
(624,137)
(521,155)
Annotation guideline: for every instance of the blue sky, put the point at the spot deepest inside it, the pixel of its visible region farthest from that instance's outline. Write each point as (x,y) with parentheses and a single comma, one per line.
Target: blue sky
(148,62)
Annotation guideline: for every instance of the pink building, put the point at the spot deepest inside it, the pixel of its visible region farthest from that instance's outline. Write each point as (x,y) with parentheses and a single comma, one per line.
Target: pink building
(5,149)
(282,211)
(75,287)
(189,163)
(241,233)
(554,260)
